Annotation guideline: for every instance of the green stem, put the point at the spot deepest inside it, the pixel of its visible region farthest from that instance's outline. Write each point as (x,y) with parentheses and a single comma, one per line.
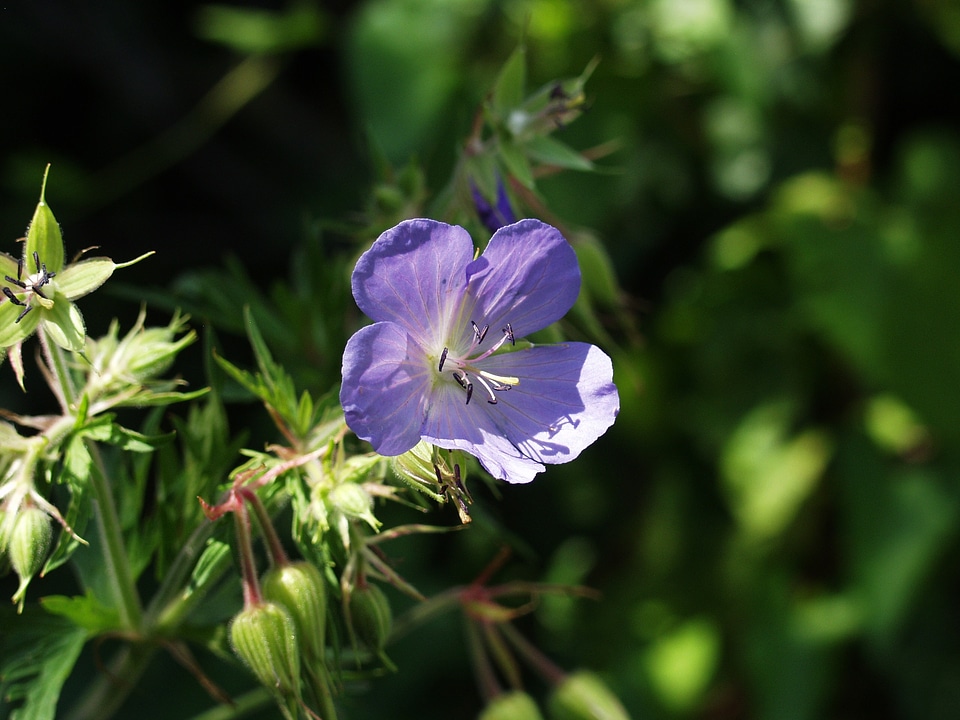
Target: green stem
(112,686)
(117,562)
(250,702)
(251,585)
(115,551)
(278,555)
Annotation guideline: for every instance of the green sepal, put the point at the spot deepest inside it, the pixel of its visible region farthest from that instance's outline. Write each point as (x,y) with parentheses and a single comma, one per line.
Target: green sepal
(64,324)
(8,266)
(300,588)
(28,546)
(370,617)
(83,277)
(11,331)
(265,638)
(43,237)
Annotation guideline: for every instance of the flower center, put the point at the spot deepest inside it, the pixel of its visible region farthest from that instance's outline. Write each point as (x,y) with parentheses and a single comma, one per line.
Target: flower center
(31,286)
(466,369)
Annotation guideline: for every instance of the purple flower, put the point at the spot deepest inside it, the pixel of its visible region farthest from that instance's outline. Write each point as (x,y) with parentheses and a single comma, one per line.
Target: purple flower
(437,362)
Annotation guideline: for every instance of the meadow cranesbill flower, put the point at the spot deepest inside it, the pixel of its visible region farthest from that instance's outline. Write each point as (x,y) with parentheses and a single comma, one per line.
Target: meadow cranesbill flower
(442,361)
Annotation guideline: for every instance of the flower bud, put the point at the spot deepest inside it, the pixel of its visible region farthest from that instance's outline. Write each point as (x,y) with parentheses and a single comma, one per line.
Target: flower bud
(28,546)
(370,616)
(584,696)
(354,502)
(264,637)
(514,705)
(301,589)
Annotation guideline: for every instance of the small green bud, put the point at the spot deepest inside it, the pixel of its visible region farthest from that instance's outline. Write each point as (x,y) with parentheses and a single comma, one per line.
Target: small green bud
(370,616)
(264,637)
(513,705)
(28,546)
(353,500)
(584,696)
(301,589)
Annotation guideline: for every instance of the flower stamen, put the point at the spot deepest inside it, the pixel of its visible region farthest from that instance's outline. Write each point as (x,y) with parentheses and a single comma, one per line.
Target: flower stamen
(32,285)
(480,333)
(461,377)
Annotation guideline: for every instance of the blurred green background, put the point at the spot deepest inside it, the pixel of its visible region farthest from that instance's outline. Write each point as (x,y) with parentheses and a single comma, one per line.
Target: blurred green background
(771,522)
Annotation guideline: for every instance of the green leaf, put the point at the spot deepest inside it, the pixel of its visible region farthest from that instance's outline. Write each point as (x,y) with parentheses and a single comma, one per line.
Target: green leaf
(43,237)
(517,163)
(549,151)
(77,516)
(11,331)
(83,611)
(37,654)
(103,429)
(209,565)
(508,89)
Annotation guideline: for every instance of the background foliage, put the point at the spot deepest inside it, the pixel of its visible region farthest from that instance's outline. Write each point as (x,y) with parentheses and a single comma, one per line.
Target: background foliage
(771,522)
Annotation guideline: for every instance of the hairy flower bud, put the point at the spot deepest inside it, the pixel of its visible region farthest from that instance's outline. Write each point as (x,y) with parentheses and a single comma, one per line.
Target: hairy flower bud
(264,637)
(584,696)
(514,705)
(28,546)
(353,500)
(301,589)
(370,616)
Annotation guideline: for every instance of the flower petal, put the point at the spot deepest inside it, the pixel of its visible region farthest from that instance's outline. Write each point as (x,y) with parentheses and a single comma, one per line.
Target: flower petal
(564,401)
(385,381)
(413,275)
(528,276)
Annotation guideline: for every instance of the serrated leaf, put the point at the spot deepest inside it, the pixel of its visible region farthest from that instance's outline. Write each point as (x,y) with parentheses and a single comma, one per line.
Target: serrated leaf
(38,654)
(84,611)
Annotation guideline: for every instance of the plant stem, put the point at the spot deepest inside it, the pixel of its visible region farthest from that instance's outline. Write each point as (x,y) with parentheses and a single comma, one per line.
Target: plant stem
(117,563)
(111,688)
(115,552)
